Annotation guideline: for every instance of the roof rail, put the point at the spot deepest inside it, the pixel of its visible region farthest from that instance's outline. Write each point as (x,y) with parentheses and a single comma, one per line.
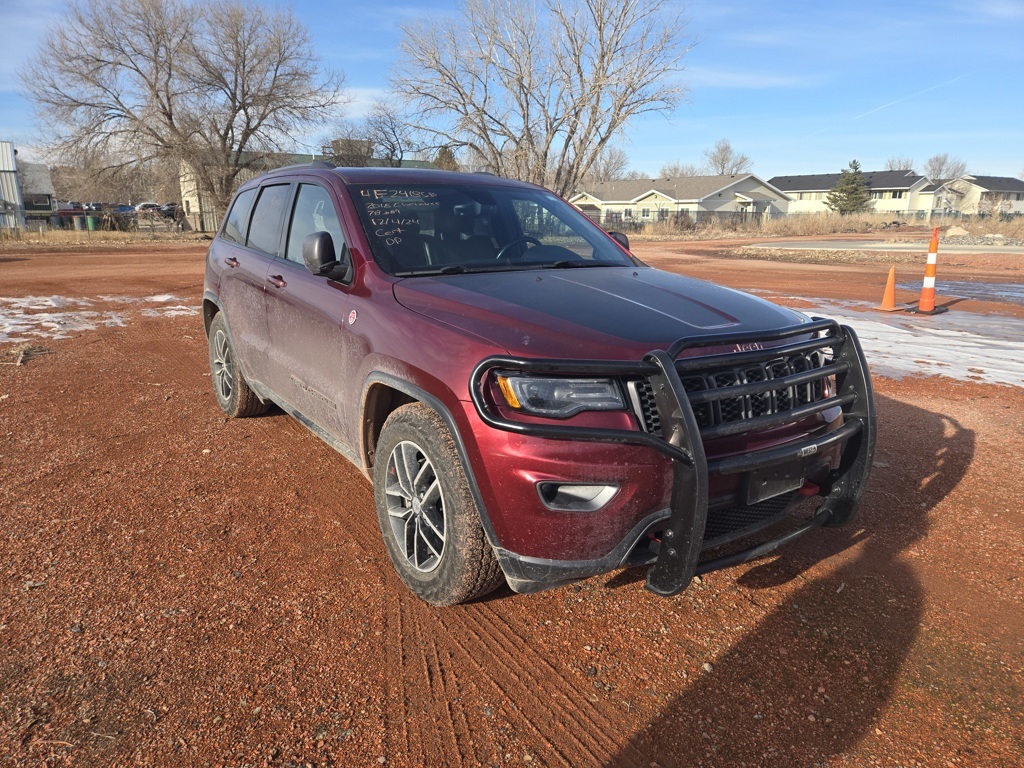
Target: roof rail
(314,164)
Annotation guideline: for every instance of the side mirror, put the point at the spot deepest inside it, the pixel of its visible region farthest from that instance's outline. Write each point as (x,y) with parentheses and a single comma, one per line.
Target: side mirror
(318,255)
(620,238)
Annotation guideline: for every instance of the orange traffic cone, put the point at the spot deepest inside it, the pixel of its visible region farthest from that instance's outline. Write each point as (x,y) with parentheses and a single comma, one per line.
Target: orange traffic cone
(926,306)
(889,297)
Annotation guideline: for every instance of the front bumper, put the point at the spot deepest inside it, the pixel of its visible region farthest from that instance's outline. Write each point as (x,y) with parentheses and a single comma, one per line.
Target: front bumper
(682,527)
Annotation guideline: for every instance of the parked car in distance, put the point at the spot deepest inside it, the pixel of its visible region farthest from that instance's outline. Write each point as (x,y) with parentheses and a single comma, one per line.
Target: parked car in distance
(169,210)
(148,209)
(533,404)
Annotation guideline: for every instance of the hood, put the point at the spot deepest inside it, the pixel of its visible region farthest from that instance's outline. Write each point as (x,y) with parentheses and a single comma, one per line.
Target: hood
(597,313)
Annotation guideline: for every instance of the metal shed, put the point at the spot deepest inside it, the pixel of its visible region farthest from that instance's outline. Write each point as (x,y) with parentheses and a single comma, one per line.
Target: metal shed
(12,207)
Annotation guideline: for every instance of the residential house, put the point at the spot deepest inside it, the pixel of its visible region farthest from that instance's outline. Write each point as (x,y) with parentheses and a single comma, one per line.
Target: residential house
(638,201)
(934,198)
(984,194)
(37,191)
(896,192)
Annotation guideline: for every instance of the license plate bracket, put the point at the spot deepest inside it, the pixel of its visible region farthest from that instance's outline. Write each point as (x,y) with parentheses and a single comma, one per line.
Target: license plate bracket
(767,483)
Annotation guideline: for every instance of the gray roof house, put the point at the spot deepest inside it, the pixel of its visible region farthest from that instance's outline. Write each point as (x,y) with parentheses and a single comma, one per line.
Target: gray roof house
(989,195)
(37,188)
(643,200)
(891,191)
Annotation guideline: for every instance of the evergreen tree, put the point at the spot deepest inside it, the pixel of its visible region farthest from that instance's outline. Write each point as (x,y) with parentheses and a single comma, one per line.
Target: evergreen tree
(445,159)
(851,193)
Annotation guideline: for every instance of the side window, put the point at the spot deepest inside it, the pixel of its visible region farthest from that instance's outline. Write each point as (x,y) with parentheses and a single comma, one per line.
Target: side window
(267,217)
(313,212)
(538,221)
(238,217)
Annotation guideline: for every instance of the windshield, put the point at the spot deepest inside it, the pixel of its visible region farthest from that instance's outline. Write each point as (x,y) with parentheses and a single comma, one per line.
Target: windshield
(420,229)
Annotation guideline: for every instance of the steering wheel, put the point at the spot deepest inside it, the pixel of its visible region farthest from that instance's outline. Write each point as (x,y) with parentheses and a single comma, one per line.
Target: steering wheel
(517,241)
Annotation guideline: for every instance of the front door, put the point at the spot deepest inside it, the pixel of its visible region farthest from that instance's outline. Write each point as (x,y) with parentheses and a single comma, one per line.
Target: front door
(310,346)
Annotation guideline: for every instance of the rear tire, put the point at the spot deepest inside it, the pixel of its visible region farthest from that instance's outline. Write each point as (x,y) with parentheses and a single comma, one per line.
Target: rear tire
(234,396)
(427,514)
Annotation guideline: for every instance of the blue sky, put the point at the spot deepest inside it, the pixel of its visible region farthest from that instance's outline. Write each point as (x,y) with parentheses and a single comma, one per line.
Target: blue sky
(800,87)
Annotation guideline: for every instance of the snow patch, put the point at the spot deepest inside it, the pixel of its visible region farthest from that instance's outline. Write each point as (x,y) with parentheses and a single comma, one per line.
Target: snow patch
(29,318)
(176,311)
(960,345)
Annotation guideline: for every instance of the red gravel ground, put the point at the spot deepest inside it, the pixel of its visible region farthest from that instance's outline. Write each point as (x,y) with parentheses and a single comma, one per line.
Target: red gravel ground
(177,589)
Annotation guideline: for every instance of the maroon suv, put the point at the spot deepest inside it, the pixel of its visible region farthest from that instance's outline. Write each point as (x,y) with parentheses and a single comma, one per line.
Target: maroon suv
(533,404)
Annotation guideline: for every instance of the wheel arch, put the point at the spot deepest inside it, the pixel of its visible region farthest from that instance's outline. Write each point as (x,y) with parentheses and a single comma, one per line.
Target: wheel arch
(210,310)
(382,395)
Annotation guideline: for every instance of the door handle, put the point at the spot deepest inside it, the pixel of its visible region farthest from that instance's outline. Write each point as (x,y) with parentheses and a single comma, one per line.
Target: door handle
(231,261)
(277,281)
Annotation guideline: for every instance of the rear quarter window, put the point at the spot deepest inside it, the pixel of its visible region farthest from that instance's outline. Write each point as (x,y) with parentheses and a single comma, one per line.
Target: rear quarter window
(238,217)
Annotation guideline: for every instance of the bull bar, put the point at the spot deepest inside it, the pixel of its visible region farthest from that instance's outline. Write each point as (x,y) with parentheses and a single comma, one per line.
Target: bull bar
(682,439)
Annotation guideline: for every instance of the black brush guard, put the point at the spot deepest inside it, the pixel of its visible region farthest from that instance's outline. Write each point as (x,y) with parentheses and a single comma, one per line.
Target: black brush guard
(682,439)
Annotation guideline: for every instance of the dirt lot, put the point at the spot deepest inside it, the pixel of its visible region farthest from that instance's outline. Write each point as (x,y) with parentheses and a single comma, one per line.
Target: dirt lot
(178,589)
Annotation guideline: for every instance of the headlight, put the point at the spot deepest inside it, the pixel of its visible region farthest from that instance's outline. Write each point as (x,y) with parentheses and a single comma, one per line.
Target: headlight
(559,398)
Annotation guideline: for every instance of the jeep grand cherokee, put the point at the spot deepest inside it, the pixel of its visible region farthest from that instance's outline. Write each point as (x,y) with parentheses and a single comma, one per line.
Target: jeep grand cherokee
(533,404)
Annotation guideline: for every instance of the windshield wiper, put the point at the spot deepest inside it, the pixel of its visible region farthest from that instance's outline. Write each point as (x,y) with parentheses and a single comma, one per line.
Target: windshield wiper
(457,269)
(577,263)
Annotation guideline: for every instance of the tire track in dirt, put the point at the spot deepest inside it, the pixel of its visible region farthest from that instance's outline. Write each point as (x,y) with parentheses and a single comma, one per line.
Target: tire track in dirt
(422,692)
(562,702)
(548,704)
(509,686)
(455,690)
(397,691)
(435,697)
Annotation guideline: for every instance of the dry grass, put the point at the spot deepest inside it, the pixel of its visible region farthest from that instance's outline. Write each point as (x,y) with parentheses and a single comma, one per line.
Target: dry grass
(1009,227)
(824,224)
(59,239)
(819,224)
(782,226)
(808,256)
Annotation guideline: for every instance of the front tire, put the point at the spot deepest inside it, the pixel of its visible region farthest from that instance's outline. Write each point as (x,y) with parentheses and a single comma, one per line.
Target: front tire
(234,396)
(427,515)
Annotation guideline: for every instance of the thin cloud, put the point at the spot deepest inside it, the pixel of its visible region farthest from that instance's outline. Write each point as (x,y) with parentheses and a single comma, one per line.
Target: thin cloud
(999,9)
(721,78)
(911,96)
(361,100)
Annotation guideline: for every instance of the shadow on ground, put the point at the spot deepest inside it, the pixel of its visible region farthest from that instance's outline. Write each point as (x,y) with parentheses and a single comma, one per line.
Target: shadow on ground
(812,679)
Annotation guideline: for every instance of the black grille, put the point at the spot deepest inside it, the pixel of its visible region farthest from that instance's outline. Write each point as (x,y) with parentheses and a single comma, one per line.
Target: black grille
(732,409)
(648,410)
(726,523)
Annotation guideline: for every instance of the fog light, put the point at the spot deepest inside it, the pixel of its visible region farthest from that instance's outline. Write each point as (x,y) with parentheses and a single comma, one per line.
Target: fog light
(574,497)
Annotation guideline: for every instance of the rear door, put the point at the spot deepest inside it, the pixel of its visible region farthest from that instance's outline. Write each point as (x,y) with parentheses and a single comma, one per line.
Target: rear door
(243,274)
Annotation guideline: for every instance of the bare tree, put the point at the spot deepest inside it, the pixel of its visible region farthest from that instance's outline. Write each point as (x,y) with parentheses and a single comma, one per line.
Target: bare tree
(944,167)
(611,164)
(536,91)
(899,163)
(678,169)
(994,204)
(348,143)
(209,85)
(723,160)
(117,180)
(391,135)
(383,136)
